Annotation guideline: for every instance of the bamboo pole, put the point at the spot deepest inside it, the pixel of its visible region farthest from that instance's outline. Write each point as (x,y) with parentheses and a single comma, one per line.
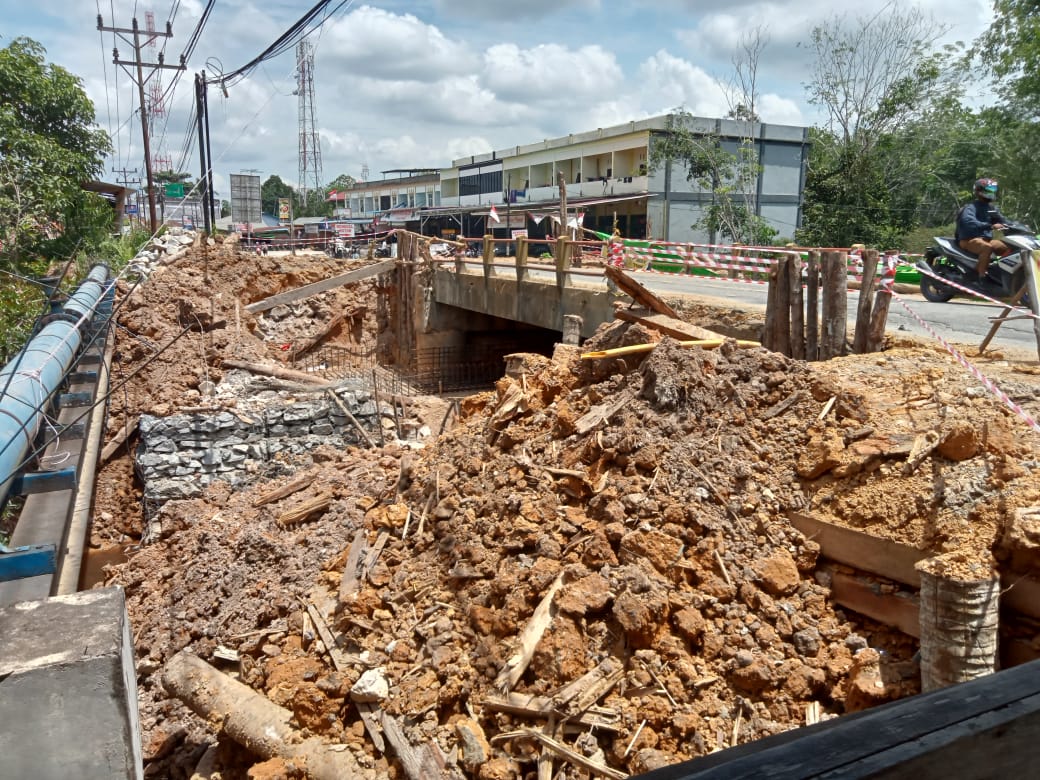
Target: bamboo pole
(635,349)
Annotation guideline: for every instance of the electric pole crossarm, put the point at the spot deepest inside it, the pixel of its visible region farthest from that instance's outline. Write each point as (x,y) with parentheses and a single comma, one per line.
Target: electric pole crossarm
(156,65)
(140,81)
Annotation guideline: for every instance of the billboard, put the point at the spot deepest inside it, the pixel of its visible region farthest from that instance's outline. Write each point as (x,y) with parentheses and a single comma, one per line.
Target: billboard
(283,209)
(245,198)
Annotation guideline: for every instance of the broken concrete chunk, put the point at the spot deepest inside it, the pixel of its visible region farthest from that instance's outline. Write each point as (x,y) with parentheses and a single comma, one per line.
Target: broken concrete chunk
(372,686)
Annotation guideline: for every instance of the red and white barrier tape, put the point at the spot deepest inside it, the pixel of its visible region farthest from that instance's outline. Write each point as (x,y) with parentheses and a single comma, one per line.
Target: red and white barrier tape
(988,383)
(975,293)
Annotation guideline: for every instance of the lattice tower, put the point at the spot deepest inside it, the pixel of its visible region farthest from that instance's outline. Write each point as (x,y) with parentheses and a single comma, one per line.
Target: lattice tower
(310,144)
(156,104)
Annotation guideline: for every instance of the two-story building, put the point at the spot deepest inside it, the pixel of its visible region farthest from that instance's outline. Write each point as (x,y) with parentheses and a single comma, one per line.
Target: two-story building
(607,179)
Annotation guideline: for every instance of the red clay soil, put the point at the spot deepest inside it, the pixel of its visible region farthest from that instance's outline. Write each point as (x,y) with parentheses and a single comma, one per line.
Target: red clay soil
(649,493)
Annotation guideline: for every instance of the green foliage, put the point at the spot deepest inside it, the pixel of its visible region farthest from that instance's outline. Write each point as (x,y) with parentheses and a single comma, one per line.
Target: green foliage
(270,191)
(731,178)
(919,239)
(1011,49)
(342,182)
(21,303)
(48,148)
(897,148)
(118,251)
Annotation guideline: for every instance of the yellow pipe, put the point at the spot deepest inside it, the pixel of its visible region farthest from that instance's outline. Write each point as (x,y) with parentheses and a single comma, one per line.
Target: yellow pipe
(635,349)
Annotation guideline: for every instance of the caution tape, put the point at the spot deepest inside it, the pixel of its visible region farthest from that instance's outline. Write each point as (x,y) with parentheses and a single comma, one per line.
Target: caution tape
(988,383)
(927,271)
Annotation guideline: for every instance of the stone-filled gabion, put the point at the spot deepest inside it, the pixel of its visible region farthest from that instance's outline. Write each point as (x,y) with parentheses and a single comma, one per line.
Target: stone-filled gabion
(179,455)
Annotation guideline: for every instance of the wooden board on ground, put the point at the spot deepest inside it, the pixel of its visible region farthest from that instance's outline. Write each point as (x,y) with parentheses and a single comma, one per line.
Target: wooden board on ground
(862,551)
(899,609)
(308,290)
(982,728)
(663,323)
(637,292)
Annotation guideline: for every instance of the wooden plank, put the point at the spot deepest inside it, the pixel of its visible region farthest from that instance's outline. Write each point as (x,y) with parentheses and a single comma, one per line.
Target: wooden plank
(669,326)
(895,561)
(351,580)
(862,551)
(899,610)
(797,313)
(782,323)
(1021,593)
(357,275)
(532,706)
(812,303)
(516,664)
(835,305)
(121,436)
(637,292)
(861,334)
(601,413)
(952,732)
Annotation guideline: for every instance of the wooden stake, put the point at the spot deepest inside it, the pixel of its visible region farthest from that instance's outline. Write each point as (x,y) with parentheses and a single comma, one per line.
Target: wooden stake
(517,663)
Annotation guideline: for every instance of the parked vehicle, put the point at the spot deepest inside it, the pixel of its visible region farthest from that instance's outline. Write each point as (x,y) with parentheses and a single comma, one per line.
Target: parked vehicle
(1005,277)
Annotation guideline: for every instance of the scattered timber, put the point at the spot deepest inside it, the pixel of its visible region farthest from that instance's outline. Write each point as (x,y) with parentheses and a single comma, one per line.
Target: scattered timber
(308,290)
(252,720)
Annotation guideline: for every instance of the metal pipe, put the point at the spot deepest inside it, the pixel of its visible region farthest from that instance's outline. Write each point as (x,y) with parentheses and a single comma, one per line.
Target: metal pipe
(36,373)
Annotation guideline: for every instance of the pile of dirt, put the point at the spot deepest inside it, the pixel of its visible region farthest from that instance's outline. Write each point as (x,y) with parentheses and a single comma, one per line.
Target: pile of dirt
(593,565)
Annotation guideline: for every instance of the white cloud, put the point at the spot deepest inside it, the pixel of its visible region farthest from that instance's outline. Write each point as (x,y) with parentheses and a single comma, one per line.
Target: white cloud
(549,73)
(670,82)
(375,44)
(403,83)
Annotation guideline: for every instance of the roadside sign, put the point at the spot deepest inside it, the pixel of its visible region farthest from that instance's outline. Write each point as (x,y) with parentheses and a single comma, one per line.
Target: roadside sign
(130,208)
(174,189)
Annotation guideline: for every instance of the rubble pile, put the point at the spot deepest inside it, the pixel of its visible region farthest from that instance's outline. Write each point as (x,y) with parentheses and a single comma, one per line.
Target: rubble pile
(591,573)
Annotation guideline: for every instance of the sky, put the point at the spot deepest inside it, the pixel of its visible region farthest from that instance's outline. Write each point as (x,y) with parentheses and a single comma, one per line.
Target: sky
(419,84)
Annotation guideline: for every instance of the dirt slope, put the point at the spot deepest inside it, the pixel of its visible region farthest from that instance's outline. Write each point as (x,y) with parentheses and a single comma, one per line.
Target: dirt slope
(649,494)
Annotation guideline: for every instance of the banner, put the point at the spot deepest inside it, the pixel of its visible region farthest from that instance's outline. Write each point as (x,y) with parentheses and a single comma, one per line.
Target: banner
(283,208)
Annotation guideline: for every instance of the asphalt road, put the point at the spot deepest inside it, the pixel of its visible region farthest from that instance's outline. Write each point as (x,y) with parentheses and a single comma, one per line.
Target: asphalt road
(960,321)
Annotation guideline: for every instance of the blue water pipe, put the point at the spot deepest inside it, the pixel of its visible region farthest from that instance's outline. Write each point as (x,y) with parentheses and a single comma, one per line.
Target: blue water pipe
(29,380)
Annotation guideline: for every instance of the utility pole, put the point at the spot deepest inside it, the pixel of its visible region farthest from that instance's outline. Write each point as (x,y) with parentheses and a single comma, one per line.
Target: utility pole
(126,181)
(200,110)
(141,80)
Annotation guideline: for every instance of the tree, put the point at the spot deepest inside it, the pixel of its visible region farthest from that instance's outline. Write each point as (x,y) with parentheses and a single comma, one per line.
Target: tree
(342,182)
(1011,49)
(49,147)
(225,208)
(729,177)
(271,191)
(875,78)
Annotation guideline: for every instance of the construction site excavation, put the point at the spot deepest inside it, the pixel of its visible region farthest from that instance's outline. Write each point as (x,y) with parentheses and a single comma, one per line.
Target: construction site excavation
(595,566)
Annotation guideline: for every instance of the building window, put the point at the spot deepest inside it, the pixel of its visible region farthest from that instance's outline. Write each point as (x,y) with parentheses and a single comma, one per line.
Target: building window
(481,183)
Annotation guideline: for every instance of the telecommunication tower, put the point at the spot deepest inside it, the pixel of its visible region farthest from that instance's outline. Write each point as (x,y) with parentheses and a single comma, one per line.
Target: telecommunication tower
(310,145)
(364,172)
(156,104)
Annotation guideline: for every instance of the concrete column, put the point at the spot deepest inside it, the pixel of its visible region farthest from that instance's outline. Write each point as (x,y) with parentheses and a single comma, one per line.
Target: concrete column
(68,689)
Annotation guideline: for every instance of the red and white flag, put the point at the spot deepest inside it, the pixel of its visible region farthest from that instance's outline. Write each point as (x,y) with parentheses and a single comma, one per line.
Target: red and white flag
(492,214)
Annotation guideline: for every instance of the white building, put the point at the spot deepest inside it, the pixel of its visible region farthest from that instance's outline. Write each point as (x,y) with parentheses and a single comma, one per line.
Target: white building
(606,176)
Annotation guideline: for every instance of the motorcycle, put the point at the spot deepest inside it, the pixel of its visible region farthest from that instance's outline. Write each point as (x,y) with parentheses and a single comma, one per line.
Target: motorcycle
(1004,278)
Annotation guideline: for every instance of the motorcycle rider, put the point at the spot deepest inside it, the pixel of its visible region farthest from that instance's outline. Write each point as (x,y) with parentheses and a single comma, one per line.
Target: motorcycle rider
(975,225)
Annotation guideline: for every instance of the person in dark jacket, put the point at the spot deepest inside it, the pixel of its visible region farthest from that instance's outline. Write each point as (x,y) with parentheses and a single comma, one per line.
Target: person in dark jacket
(975,225)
